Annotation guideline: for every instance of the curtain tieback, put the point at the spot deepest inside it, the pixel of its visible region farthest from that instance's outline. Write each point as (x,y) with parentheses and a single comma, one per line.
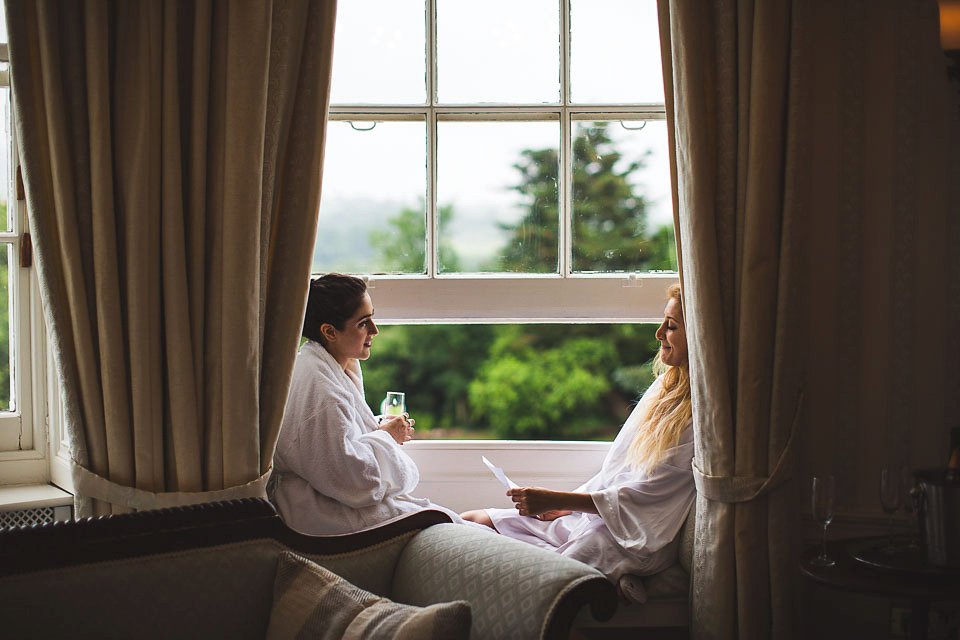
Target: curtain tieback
(95,486)
(732,489)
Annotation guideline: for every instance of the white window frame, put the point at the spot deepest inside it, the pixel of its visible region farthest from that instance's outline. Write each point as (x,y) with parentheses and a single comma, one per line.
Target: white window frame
(451,473)
(565,297)
(23,431)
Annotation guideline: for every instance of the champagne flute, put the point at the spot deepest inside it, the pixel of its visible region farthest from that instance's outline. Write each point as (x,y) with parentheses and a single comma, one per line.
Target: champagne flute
(889,501)
(908,492)
(394,404)
(822,503)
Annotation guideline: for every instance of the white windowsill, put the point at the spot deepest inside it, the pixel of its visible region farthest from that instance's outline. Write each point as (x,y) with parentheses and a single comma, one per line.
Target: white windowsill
(33,496)
(451,472)
(453,475)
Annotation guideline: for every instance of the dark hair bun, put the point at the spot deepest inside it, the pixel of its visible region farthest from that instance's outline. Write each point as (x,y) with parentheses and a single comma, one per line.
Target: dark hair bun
(333,299)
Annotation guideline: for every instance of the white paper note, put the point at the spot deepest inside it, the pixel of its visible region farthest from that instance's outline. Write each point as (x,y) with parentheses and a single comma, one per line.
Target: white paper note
(501,476)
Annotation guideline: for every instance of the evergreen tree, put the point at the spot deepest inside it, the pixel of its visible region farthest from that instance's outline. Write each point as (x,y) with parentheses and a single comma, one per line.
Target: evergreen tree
(609,220)
(403,245)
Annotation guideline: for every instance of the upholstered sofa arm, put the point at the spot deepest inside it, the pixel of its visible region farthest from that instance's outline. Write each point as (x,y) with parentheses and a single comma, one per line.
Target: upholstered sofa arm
(517,590)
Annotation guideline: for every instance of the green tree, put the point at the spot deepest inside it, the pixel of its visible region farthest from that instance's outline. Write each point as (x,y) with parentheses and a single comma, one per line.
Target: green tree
(534,245)
(562,381)
(609,220)
(403,245)
(434,365)
(541,393)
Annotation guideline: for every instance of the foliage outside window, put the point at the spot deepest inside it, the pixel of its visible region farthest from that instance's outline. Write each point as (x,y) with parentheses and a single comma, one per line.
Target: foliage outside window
(529,382)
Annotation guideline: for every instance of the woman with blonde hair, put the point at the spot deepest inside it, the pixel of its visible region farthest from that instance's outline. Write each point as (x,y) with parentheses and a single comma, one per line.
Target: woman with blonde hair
(625,519)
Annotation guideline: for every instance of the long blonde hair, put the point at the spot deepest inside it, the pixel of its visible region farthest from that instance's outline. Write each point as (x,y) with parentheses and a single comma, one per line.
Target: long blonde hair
(667,414)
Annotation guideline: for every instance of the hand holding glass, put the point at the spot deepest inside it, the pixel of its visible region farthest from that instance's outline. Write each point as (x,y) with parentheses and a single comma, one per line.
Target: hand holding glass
(822,503)
(394,404)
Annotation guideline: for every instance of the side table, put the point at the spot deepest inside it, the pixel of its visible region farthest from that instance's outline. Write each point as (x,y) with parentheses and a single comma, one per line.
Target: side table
(888,567)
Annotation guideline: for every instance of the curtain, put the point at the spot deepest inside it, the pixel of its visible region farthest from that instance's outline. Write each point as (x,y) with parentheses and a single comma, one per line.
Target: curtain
(171,155)
(777,114)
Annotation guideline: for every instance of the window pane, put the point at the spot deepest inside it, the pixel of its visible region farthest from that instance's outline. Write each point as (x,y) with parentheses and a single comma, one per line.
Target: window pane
(615,52)
(6,339)
(372,214)
(622,207)
(497,196)
(557,382)
(6,211)
(498,51)
(379,53)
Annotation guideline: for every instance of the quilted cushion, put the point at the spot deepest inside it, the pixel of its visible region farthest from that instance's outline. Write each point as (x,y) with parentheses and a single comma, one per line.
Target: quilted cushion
(517,584)
(312,602)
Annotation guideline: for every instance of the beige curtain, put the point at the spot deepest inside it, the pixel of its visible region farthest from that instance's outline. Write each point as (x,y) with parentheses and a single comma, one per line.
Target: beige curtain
(172,156)
(774,167)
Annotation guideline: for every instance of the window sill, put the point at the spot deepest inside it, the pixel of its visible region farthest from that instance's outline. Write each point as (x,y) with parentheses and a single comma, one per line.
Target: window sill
(33,496)
(453,475)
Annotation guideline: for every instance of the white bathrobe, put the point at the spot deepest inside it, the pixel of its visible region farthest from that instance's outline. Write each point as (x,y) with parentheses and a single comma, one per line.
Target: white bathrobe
(641,513)
(334,471)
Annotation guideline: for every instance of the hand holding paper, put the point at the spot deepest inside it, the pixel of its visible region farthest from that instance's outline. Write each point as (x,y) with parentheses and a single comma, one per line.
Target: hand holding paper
(498,472)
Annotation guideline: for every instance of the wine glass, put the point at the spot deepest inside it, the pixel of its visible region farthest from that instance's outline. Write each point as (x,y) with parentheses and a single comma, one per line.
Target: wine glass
(907,489)
(394,404)
(822,503)
(890,500)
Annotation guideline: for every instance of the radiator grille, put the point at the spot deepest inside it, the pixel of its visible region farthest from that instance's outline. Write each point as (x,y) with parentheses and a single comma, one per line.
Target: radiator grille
(30,517)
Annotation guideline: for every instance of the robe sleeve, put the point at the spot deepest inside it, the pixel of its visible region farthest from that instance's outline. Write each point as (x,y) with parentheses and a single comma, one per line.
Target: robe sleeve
(339,460)
(645,512)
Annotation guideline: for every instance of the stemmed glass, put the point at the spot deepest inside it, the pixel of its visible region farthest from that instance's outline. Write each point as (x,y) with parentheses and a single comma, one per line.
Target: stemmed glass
(394,404)
(909,508)
(822,503)
(890,500)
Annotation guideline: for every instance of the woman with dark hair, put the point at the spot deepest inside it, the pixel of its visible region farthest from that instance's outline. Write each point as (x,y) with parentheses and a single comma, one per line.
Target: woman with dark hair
(337,469)
(625,519)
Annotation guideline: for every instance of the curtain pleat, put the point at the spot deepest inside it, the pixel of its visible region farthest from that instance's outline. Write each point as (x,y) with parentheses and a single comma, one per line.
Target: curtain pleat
(172,156)
(813,152)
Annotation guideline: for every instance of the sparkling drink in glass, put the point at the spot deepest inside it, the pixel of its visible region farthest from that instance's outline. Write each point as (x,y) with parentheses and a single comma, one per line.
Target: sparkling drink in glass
(822,504)
(394,404)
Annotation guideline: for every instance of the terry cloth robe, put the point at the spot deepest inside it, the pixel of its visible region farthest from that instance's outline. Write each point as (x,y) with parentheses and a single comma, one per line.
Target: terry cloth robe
(333,470)
(641,512)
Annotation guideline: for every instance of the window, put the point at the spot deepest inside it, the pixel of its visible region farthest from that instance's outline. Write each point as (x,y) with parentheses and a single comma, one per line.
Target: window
(492,175)
(22,438)
(483,169)
(504,186)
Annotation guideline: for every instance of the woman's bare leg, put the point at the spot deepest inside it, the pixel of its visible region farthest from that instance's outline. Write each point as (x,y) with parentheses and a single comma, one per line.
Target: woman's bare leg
(479,516)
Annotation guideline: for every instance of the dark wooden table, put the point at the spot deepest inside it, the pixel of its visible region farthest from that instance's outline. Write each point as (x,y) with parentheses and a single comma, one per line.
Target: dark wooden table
(866,565)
